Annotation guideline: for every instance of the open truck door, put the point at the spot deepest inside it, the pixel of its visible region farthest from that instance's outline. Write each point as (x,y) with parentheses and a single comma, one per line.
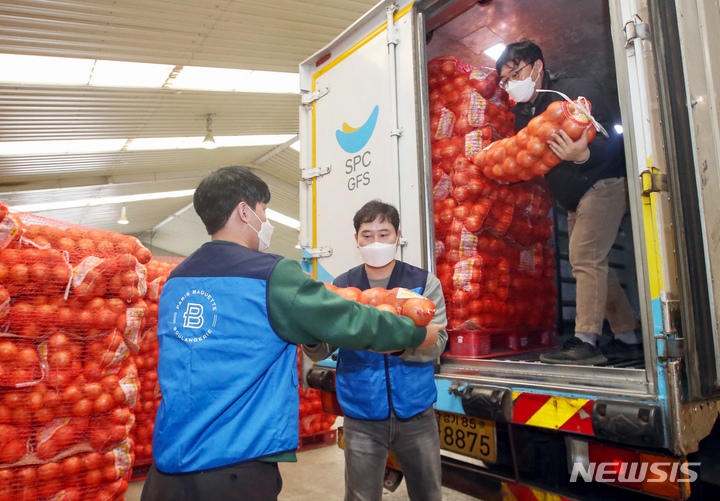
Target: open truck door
(359,139)
(688,63)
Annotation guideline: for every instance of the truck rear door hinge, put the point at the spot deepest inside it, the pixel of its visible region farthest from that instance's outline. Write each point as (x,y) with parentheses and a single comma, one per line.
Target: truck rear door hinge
(653,182)
(636,28)
(319,251)
(669,347)
(669,344)
(393,34)
(309,174)
(670,309)
(308,99)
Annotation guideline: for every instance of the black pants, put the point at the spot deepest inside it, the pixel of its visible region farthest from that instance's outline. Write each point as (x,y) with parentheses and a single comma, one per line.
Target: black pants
(251,481)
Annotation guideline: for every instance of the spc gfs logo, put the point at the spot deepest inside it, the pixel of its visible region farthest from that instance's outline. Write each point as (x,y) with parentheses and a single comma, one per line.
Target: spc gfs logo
(352,140)
(195,316)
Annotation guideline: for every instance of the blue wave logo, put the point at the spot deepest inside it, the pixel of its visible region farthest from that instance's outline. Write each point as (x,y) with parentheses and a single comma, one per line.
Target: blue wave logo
(353,139)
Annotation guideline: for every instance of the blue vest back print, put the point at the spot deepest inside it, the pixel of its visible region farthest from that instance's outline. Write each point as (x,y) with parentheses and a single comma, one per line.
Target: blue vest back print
(370,384)
(228,381)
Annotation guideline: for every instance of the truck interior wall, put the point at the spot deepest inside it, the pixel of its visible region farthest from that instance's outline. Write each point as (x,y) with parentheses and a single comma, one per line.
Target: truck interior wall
(621,260)
(575,36)
(697,323)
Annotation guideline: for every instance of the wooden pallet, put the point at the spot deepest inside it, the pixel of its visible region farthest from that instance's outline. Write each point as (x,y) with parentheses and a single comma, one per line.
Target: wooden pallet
(322,439)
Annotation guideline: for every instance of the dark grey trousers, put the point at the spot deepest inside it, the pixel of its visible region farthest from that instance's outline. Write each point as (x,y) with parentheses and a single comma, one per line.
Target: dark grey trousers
(251,481)
(416,444)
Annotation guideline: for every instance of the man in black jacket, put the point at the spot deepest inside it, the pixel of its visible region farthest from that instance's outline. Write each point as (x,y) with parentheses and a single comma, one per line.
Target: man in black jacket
(591,184)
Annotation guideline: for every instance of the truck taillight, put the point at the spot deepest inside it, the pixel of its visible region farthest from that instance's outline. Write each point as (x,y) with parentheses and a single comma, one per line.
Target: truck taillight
(660,474)
(622,461)
(664,476)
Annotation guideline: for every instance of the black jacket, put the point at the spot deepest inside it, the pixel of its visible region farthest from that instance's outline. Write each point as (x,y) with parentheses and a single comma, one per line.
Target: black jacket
(569,181)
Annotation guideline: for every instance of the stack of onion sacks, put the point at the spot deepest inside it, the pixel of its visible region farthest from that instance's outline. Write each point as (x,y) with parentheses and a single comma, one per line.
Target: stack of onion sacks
(526,154)
(11,227)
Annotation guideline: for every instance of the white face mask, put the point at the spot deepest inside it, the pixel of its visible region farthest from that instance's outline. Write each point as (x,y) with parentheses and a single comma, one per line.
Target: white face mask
(265,233)
(378,254)
(521,90)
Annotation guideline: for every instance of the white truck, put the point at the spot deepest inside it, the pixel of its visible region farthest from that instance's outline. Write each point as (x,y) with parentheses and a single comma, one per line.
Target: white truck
(510,424)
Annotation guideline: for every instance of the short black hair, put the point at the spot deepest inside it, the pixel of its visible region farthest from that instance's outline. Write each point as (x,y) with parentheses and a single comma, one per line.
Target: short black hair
(374,208)
(221,191)
(520,52)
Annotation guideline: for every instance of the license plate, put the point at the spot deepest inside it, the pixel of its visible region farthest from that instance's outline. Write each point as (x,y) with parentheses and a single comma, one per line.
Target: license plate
(467,435)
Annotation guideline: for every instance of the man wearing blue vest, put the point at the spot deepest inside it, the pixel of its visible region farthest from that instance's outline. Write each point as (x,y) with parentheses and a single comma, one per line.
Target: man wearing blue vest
(229,321)
(387,399)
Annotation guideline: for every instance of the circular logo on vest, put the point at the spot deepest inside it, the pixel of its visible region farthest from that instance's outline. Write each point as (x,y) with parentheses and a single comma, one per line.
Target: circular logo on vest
(195,316)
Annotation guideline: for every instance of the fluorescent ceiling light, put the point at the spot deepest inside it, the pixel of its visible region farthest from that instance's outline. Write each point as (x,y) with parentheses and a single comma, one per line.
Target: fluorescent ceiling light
(92,202)
(124,74)
(173,143)
(282,219)
(260,140)
(271,81)
(72,71)
(45,70)
(138,144)
(619,129)
(164,143)
(495,51)
(200,78)
(60,147)
(231,80)
(123,199)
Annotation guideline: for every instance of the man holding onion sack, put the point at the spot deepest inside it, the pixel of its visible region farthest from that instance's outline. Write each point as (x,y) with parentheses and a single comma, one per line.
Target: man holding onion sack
(590,182)
(387,398)
(229,321)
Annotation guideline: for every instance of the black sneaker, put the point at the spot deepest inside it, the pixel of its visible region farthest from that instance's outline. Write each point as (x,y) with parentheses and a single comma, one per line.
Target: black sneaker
(575,351)
(616,351)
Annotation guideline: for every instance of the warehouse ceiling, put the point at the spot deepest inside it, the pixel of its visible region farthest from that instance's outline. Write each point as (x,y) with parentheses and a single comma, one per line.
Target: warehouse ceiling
(232,34)
(250,35)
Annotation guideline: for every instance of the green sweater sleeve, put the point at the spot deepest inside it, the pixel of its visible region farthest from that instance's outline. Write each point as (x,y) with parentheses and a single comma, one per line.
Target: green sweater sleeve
(303,311)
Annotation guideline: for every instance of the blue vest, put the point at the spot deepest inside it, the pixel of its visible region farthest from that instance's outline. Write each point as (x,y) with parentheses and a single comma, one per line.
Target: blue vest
(370,384)
(229,383)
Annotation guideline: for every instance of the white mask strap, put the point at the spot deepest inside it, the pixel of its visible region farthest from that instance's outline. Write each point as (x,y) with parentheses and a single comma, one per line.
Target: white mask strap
(258,218)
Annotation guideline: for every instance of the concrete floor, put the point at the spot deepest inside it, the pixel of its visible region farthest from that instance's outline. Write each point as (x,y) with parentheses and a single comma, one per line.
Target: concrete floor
(318,474)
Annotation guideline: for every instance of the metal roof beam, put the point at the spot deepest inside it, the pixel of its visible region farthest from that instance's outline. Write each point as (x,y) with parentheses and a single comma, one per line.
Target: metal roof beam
(267,156)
